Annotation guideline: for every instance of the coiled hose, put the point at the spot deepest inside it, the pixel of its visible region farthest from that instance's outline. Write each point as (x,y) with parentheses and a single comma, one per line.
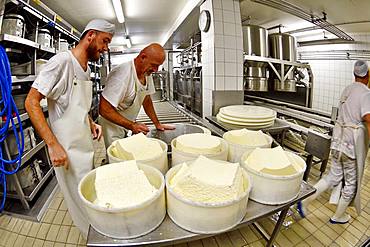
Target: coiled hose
(7,109)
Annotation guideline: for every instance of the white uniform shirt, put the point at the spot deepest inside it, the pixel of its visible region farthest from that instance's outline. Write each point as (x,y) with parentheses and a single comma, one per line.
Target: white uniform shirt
(356,106)
(119,88)
(55,82)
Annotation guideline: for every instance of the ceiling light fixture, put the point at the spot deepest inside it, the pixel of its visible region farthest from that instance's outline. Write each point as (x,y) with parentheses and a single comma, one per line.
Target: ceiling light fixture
(118,9)
(128,42)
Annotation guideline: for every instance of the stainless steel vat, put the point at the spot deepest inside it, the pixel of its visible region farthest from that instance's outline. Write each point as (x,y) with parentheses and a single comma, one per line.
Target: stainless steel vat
(256,44)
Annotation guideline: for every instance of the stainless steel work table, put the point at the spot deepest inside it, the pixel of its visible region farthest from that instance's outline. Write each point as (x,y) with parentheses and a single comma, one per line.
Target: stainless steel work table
(169,233)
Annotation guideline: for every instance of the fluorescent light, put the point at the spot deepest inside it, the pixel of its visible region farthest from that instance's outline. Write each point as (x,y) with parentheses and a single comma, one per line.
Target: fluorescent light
(128,42)
(118,9)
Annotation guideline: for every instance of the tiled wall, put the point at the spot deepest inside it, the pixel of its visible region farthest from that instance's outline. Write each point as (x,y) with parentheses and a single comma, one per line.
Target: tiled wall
(332,76)
(222,50)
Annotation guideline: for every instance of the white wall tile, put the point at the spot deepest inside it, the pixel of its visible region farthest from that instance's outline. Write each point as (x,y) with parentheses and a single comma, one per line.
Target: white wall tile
(219,55)
(239,43)
(238,30)
(219,41)
(229,28)
(217,15)
(230,69)
(217,4)
(220,69)
(236,6)
(230,55)
(231,83)
(228,16)
(230,42)
(240,83)
(228,5)
(219,27)
(220,83)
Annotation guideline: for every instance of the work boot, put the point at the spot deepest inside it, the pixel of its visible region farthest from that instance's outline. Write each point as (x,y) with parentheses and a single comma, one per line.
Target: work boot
(340,216)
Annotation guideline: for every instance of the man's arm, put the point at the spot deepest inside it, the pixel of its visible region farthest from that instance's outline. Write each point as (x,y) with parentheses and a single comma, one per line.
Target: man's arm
(57,153)
(149,110)
(110,113)
(366,118)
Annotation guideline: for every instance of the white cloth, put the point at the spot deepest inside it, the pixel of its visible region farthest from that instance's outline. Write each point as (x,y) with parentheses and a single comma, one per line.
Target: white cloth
(119,88)
(100,25)
(55,82)
(355,107)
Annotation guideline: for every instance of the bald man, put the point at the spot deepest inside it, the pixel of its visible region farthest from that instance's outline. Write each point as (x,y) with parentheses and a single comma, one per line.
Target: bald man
(128,87)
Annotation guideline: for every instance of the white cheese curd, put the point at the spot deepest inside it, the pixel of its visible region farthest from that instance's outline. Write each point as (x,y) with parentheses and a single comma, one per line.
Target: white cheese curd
(137,147)
(274,161)
(198,143)
(247,137)
(122,185)
(209,181)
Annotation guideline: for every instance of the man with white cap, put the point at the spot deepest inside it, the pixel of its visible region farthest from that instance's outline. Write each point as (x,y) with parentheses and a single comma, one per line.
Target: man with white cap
(350,143)
(65,83)
(128,87)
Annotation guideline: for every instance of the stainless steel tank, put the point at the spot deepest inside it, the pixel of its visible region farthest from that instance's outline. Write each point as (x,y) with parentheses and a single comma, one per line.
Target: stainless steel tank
(256,44)
(284,47)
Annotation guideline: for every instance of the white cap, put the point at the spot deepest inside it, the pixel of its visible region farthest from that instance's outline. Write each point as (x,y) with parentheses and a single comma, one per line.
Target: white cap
(361,68)
(100,25)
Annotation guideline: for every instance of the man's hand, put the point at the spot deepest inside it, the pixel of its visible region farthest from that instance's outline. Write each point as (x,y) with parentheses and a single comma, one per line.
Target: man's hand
(139,127)
(96,130)
(165,127)
(58,155)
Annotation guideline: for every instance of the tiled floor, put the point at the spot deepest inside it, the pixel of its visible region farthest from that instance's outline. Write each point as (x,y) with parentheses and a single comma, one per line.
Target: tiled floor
(57,229)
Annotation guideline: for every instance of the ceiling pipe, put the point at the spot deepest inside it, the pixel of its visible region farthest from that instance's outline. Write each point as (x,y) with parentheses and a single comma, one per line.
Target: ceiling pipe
(297,11)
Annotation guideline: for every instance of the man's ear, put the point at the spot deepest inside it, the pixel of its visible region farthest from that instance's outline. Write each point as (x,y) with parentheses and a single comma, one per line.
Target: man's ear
(90,35)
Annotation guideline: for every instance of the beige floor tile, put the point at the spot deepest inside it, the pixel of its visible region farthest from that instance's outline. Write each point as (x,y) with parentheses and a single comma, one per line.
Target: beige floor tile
(53,232)
(38,242)
(363,220)
(314,242)
(4,237)
(20,241)
(67,221)
(367,233)
(316,221)
(292,236)
(350,238)
(181,245)
(300,230)
(303,244)
(59,245)
(326,211)
(56,203)
(49,216)
(338,228)
(236,238)
(26,227)
(248,234)
(18,226)
(342,242)
(319,214)
(63,206)
(29,242)
(308,225)
(43,231)
(73,235)
(357,233)
(281,240)
(81,240)
(58,219)
(11,239)
(48,244)
(63,234)
(361,227)
(223,240)
(258,243)
(71,245)
(34,229)
(4,221)
(11,224)
(321,236)
(209,242)
(329,232)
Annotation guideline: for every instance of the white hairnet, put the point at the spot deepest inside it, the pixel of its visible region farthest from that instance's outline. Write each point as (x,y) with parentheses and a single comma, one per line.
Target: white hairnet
(100,25)
(360,68)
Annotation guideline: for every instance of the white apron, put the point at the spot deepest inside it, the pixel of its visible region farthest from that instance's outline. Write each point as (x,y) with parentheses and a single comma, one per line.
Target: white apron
(112,131)
(361,144)
(73,133)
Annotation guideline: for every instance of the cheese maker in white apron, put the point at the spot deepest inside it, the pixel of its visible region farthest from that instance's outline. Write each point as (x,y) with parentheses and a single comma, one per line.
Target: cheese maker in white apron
(361,143)
(73,133)
(112,131)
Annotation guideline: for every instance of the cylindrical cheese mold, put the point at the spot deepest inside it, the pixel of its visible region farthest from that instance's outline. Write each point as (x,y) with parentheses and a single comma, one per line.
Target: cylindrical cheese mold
(128,222)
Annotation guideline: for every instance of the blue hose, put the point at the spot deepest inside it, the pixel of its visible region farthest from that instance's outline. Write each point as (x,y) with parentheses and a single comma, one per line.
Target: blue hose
(7,108)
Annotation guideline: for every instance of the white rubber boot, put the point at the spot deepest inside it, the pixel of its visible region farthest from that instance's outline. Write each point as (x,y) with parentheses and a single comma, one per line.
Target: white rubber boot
(320,187)
(340,216)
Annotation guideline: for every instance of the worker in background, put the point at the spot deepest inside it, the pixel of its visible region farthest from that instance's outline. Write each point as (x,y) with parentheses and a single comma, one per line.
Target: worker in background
(127,88)
(349,147)
(65,82)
